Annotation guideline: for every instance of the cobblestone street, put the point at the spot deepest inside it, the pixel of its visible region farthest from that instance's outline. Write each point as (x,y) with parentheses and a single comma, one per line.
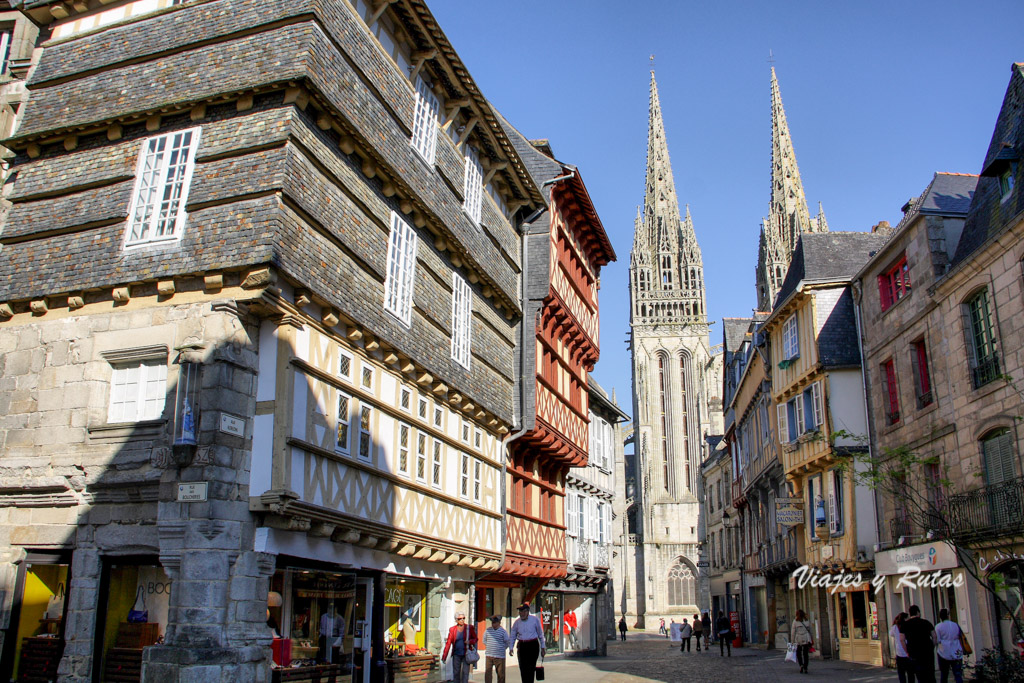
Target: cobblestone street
(650,658)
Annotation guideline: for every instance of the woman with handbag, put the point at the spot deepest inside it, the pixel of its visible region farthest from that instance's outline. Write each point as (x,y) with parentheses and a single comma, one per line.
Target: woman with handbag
(462,644)
(800,633)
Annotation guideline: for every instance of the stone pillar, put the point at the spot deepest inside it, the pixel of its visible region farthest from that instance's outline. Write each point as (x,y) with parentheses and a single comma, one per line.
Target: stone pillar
(10,559)
(216,630)
(82,607)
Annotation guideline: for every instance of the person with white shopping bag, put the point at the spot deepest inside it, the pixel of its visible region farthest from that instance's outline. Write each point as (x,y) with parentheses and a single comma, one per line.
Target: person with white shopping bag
(800,634)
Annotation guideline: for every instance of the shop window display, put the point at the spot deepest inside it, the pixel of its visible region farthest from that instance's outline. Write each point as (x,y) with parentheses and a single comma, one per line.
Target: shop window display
(415,630)
(577,622)
(135,616)
(319,621)
(35,652)
(549,609)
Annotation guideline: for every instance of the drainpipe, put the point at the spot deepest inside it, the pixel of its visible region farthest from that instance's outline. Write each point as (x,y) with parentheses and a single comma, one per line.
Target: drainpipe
(857,297)
(521,408)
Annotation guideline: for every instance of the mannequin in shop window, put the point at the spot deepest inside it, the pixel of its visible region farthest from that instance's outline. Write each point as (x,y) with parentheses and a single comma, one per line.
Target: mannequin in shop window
(332,633)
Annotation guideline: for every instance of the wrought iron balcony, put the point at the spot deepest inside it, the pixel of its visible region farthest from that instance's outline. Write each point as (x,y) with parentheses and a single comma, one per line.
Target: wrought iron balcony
(900,527)
(985,371)
(601,556)
(994,510)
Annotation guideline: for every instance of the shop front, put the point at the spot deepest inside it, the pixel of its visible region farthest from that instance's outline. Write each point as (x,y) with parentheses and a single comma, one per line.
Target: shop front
(548,606)
(35,640)
(930,576)
(135,595)
(321,623)
(417,616)
(857,628)
(1003,569)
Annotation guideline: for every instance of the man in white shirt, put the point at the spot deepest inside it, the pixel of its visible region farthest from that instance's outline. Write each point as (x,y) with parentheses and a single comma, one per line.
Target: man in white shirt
(528,632)
(951,652)
(496,640)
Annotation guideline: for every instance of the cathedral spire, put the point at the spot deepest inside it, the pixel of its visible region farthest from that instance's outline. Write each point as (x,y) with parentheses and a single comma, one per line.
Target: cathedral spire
(787,194)
(788,215)
(672,262)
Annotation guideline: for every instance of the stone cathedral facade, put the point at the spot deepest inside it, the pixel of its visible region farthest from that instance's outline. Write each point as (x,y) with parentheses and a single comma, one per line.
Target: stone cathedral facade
(676,401)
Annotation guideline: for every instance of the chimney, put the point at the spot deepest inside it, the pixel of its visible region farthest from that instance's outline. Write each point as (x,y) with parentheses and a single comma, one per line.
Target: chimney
(882,227)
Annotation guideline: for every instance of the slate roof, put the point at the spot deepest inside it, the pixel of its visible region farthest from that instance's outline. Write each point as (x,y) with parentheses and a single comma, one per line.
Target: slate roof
(837,341)
(989,214)
(949,194)
(735,331)
(540,166)
(829,256)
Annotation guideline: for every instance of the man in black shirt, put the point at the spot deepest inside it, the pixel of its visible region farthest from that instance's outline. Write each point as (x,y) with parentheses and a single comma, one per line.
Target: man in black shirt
(919,635)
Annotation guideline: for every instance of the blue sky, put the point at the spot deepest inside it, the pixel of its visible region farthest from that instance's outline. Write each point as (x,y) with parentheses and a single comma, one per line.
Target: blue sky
(879,96)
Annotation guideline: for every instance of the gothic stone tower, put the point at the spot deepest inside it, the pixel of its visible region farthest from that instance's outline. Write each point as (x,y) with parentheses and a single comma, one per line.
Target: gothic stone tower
(787,213)
(672,367)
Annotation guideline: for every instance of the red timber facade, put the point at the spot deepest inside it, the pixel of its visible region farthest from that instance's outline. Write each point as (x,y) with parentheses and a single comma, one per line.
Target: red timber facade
(565,247)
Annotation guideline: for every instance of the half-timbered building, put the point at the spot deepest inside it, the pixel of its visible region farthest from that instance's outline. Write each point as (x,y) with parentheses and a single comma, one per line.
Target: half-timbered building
(564,248)
(259,304)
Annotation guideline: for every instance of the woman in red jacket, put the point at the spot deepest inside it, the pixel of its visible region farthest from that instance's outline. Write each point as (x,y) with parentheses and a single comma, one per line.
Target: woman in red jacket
(461,639)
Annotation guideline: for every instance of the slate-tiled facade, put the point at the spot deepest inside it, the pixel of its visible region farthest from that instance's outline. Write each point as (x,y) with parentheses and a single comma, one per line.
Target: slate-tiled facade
(304,156)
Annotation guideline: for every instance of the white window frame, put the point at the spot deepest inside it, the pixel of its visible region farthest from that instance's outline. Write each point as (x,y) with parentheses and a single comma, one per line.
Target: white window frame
(5,49)
(366,371)
(478,484)
(365,432)
(405,399)
(151,377)
(783,416)
(424,127)
(581,510)
(464,476)
(437,464)
(439,417)
(155,176)
(403,449)
(465,431)
(835,498)
(790,338)
(422,452)
(478,438)
(473,184)
(462,320)
(572,522)
(423,408)
(342,355)
(345,420)
(597,431)
(400,276)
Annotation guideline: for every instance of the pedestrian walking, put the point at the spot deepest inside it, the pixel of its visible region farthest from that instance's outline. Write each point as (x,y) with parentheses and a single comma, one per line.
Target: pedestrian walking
(461,640)
(622,627)
(528,632)
(904,665)
(661,628)
(724,631)
(706,622)
(951,652)
(801,635)
(698,631)
(686,632)
(920,639)
(496,641)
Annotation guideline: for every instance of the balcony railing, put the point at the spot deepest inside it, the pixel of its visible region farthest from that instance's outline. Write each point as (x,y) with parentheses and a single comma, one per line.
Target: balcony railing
(601,560)
(985,371)
(900,527)
(993,510)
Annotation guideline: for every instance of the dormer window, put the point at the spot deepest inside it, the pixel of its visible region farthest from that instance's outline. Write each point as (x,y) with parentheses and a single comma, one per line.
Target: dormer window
(1006,180)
